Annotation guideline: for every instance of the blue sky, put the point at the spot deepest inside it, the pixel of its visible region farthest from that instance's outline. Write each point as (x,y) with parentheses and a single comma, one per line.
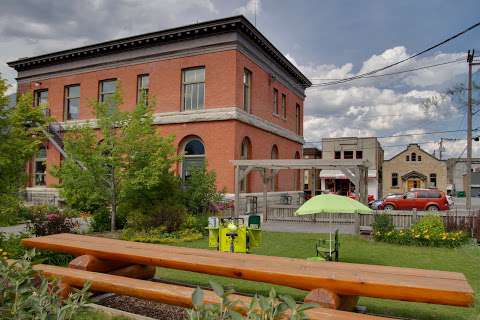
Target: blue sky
(325,39)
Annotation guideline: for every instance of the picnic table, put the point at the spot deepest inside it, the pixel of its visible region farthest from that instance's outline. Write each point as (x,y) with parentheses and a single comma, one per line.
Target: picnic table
(333,284)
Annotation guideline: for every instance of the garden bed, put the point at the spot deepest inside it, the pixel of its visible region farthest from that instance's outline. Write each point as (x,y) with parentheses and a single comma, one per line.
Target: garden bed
(143,307)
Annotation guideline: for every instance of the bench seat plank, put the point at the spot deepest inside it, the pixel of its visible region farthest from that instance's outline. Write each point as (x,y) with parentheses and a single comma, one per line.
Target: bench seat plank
(429,286)
(167,293)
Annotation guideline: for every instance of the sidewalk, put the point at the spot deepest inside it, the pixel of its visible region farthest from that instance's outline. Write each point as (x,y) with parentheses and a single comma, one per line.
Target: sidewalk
(307,227)
(13,229)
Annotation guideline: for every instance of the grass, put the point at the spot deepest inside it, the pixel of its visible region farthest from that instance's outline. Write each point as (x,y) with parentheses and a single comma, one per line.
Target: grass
(358,250)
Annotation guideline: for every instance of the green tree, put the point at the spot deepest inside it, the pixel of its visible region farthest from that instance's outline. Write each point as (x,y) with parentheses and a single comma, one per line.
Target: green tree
(118,162)
(201,190)
(21,132)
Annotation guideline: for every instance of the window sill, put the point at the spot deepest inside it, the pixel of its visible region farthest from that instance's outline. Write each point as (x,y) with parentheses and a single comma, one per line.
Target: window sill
(276,115)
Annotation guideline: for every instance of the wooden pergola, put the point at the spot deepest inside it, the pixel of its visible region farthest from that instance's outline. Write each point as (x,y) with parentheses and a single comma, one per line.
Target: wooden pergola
(355,170)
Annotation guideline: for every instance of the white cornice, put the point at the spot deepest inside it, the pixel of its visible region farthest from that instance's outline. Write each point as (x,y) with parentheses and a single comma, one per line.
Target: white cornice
(206,115)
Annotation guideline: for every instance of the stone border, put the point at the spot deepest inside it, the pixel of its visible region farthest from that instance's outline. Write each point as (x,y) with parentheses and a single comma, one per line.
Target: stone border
(117,313)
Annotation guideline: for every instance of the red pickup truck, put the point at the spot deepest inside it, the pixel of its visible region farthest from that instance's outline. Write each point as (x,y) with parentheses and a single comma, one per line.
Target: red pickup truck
(420,199)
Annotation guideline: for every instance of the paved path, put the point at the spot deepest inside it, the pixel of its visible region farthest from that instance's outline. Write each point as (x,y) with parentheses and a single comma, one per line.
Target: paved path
(13,229)
(307,227)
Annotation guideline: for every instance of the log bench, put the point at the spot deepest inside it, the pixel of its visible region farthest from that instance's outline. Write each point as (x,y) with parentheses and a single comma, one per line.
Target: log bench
(333,285)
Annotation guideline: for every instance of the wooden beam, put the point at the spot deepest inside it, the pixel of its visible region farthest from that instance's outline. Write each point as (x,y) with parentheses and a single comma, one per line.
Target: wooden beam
(265,194)
(236,204)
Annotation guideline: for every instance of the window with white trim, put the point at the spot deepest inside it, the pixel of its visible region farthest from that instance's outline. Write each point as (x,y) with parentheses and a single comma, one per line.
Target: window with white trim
(193,89)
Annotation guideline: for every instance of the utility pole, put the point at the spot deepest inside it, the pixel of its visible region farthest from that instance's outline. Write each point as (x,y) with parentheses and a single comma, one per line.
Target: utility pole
(440,150)
(469,132)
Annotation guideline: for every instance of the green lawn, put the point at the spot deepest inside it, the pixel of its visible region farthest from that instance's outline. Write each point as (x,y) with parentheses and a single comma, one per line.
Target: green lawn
(357,250)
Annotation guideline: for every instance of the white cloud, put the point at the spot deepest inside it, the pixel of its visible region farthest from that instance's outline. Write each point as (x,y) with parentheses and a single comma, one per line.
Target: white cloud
(252,7)
(384,106)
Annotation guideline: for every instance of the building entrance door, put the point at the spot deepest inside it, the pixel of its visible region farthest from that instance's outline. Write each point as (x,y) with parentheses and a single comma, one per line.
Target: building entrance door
(413,183)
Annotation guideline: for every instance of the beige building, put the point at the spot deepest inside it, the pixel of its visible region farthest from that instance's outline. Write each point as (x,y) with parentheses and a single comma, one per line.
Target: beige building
(414,168)
(352,148)
(311,178)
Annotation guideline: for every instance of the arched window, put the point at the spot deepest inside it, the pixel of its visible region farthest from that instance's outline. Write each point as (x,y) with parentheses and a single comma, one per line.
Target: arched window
(274,181)
(297,174)
(40,166)
(245,154)
(413,156)
(193,156)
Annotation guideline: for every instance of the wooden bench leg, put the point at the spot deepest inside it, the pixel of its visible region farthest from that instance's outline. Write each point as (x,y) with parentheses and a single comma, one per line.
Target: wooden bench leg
(125,269)
(329,299)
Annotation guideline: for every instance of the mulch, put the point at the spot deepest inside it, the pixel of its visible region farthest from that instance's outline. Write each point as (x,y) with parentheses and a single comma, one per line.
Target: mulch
(146,308)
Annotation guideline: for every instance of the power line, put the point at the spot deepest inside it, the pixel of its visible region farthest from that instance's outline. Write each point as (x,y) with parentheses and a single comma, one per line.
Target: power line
(395,145)
(403,60)
(399,135)
(392,73)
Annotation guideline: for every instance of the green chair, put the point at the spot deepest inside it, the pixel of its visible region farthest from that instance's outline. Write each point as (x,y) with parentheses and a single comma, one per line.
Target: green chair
(324,250)
(254,221)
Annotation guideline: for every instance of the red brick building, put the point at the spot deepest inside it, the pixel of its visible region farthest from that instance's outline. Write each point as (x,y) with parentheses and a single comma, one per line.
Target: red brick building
(220,87)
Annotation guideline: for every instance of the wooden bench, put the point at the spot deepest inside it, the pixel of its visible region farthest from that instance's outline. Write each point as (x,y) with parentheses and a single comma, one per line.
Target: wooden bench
(168,293)
(331,284)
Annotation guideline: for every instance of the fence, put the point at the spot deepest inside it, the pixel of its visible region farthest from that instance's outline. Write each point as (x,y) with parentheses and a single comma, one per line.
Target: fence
(42,198)
(469,221)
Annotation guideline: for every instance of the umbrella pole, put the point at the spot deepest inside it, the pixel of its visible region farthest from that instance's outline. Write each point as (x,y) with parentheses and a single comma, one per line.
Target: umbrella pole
(330,242)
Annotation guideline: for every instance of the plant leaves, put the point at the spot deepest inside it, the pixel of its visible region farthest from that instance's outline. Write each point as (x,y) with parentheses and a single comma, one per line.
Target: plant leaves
(197,297)
(218,289)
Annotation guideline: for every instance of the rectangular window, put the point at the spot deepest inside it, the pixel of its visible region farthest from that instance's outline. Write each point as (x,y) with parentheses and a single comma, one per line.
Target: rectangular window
(193,89)
(107,91)
(247,80)
(142,88)
(40,166)
(394,179)
(41,97)
(275,101)
(359,154)
(347,154)
(433,180)
(72,102)
(298,120)
(338,155)
(284,106)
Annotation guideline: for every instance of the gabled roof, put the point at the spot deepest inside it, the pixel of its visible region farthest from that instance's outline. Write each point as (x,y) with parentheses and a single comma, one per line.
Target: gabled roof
(236,23)
(407,149)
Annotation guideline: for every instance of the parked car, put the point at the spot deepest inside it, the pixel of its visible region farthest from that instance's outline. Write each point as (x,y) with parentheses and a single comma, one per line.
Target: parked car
(375,204)
(355,196)
(420,199)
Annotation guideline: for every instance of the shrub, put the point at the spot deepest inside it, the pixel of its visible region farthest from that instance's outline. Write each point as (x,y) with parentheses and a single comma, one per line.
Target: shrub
(382,224)
(160,235)
(196,222)
(429,223)
(13,247)
(428,231)
(265,308)
(26,294)
(51,223)
(11,211)
(101,221)
(169,216)
(201,190)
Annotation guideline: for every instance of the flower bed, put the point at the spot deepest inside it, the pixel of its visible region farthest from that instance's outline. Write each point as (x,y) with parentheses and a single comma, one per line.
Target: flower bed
(428,231)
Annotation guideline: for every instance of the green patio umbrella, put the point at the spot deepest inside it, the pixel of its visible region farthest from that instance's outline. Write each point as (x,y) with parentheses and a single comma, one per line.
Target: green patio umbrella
(330,204)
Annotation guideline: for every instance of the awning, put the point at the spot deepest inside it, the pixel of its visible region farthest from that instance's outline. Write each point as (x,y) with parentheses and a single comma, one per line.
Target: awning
(337,174)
